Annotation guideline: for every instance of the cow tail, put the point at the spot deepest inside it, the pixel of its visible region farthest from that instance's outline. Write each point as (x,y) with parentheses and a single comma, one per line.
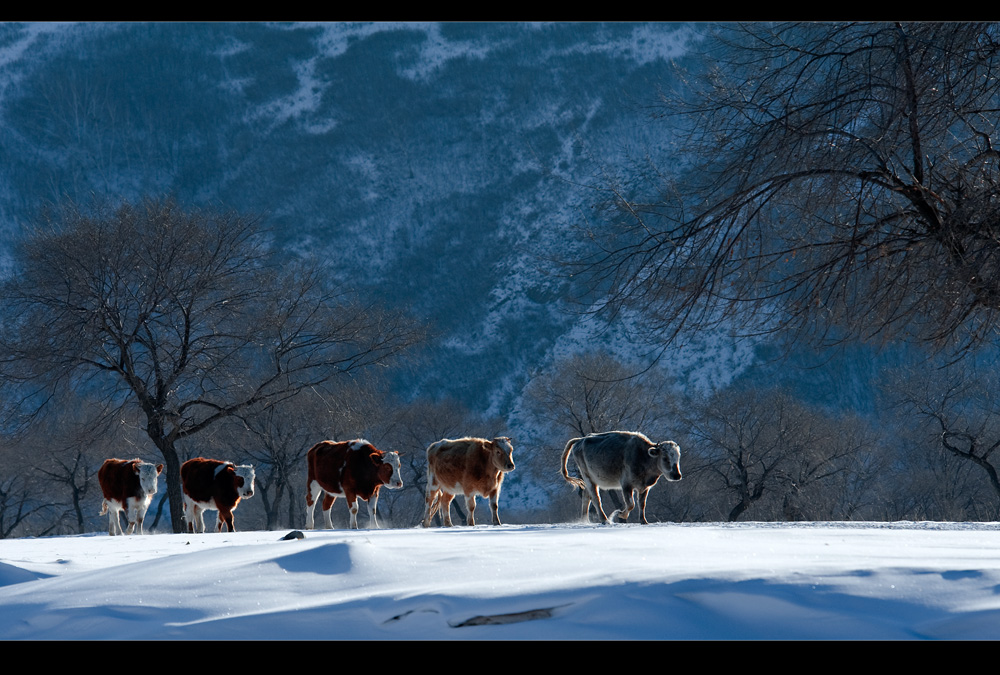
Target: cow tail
(104,507)
(430,468)
(565,460)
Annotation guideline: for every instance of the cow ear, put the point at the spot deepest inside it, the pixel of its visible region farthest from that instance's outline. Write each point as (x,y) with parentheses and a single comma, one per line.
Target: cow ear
(159,468)
(135,468)
(654,451)
(376,458)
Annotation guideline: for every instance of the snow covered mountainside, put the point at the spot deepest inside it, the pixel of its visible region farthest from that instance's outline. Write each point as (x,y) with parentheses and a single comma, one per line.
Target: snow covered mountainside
(442,167)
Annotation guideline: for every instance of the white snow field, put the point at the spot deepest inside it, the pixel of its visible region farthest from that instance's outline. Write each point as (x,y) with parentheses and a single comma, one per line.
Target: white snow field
(518,582)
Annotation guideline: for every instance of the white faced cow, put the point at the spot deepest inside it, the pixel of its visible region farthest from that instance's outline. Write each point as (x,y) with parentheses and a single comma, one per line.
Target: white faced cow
(351,469)
(128,485)
(209,484)
(620,460)
(469,466)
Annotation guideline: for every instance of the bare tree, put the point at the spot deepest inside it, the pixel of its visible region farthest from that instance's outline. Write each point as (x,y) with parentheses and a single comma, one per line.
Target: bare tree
(72,470)
(595,392)
(956,408)
(834,181)
(765,447)
(182,314)
(20,501)
(15,505)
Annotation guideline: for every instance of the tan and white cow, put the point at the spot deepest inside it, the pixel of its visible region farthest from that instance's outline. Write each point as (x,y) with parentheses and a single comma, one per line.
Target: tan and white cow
(350,469)
(211,485)
(128,485)
(469,466)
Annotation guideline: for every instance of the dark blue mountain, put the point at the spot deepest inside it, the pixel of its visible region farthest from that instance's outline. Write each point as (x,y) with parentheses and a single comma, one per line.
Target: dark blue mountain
(441,167)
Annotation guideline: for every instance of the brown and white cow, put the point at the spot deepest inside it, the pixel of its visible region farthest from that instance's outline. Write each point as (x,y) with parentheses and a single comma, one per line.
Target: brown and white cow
(620,460)
(469,466)
(349,469)
(209,484)
(128,485)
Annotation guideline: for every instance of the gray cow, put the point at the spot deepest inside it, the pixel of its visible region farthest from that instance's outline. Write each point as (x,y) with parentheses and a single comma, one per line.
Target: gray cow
(620,460)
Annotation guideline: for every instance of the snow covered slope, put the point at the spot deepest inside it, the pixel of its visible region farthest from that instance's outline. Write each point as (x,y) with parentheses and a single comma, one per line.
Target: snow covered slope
(582,582)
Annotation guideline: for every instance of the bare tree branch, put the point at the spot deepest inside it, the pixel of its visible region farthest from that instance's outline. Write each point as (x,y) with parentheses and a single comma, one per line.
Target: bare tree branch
(841,182)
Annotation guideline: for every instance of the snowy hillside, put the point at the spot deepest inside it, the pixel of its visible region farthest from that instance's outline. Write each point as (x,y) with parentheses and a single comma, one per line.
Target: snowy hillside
(443,167)
(580,582)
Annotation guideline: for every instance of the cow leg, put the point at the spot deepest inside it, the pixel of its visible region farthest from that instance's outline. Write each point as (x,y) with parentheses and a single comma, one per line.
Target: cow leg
(114,525)
(372,506)
(328,502)
(431,507)
(445,506)
(104,512)
(495,507)
(642,506)
(470,506)
(585,511)
(595,497)
(198,517)
(136,511)
(140,512)
(628,496)
(225,519)
(353,507)
(313,491)
(131,515)
(189,508)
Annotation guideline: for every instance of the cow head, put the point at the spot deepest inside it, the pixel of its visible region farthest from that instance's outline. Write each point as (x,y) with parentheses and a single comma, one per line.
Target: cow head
(389,472)
(668,457)
(147,474)
(502,454)
(244,480)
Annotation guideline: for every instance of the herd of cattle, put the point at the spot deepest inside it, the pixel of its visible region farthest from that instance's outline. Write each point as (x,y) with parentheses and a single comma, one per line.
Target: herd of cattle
(473,467)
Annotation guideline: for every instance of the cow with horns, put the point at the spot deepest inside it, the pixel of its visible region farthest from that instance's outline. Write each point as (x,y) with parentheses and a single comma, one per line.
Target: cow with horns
(620,460)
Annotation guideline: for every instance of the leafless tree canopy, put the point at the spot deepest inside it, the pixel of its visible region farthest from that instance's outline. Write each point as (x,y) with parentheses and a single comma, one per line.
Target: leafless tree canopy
(593,392)
(181,313)
(955,409)
(834,180)
(760,447)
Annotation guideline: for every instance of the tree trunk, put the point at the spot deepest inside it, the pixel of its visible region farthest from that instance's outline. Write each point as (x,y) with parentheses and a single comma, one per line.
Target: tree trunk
(174,492)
